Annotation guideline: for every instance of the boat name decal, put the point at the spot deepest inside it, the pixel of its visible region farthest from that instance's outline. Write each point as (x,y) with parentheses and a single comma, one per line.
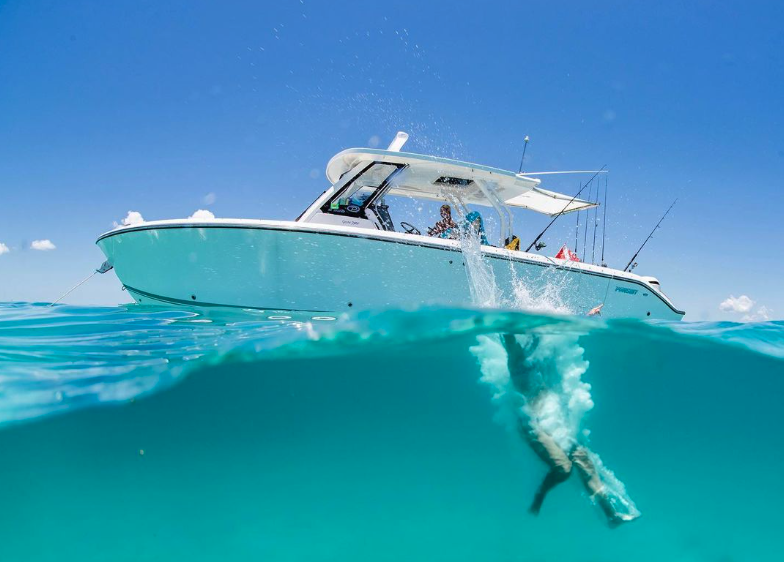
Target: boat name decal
(625,290)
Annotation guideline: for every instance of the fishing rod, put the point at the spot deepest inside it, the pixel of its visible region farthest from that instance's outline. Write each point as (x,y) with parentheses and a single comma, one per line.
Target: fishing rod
(650,236)
(577,228)
(600,170)
(584,253)
(604,220)
(595,221)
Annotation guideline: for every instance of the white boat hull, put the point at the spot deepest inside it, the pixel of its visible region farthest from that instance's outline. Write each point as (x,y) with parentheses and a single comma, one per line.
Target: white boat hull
(291,266)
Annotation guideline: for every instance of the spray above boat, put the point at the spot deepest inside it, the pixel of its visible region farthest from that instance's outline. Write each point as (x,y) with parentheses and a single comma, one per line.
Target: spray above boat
(359,246)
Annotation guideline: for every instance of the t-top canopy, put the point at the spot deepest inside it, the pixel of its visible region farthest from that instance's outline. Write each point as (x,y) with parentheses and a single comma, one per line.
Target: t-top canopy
(430,177)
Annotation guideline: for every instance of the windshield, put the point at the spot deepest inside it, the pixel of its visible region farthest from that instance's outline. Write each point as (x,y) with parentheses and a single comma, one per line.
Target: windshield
(362,190)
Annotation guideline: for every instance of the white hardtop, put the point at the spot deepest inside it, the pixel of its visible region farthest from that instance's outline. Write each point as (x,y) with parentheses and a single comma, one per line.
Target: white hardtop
(431,177)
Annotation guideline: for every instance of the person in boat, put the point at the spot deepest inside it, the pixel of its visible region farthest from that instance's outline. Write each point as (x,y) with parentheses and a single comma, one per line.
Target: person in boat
(474,221)
(446,227)
(561,460)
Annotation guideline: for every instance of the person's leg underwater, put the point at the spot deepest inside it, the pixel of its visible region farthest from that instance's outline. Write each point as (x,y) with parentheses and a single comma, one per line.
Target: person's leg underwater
(553,456)
(596,489)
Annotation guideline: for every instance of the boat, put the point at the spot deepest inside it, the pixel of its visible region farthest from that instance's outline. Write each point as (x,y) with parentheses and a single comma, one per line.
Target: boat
(346,253)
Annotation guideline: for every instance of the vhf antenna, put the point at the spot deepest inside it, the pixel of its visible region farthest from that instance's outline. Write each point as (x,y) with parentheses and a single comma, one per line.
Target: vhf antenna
(649,236)
(525,146)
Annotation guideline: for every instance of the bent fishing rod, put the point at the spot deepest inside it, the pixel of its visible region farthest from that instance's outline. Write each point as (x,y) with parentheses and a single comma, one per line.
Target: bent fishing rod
(650,235)
(528,249)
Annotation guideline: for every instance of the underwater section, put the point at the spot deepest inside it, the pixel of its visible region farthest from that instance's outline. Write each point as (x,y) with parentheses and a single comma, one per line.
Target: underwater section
(147,434)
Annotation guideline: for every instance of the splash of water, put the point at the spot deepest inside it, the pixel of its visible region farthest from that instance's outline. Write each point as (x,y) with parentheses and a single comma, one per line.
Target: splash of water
(555,399)
(555,365)
(546,299)
(481,279)
(555,360)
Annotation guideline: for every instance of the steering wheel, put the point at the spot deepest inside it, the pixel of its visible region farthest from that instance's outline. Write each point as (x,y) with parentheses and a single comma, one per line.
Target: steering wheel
(409,228)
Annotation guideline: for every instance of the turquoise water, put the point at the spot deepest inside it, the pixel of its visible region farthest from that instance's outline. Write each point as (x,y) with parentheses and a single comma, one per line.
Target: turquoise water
(135,433)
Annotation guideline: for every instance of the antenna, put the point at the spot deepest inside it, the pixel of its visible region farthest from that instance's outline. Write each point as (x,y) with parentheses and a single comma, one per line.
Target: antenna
(525,146)
(649,236)
(604,219)
(563,210)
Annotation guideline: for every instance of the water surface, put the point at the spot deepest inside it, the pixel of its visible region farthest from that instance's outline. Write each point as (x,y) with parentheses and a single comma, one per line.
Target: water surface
(134,433)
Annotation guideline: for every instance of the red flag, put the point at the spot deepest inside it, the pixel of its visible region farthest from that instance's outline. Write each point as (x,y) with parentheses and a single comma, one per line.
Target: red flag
(566,254)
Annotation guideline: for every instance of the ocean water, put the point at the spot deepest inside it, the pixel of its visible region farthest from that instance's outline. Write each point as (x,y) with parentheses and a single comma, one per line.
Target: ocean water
(133,433)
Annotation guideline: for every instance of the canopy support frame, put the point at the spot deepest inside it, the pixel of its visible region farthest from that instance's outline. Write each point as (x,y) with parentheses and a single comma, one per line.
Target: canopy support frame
(488,190)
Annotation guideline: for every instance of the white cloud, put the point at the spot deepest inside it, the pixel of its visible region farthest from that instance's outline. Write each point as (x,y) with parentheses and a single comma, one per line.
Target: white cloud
(762,314)
(744,305)
(202,215)
(43,245)
(4,249)
(133,217)
(209,199)
(740,304)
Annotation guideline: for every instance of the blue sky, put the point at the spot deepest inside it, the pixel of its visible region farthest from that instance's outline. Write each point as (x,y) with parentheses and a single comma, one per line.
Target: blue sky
(107,107)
